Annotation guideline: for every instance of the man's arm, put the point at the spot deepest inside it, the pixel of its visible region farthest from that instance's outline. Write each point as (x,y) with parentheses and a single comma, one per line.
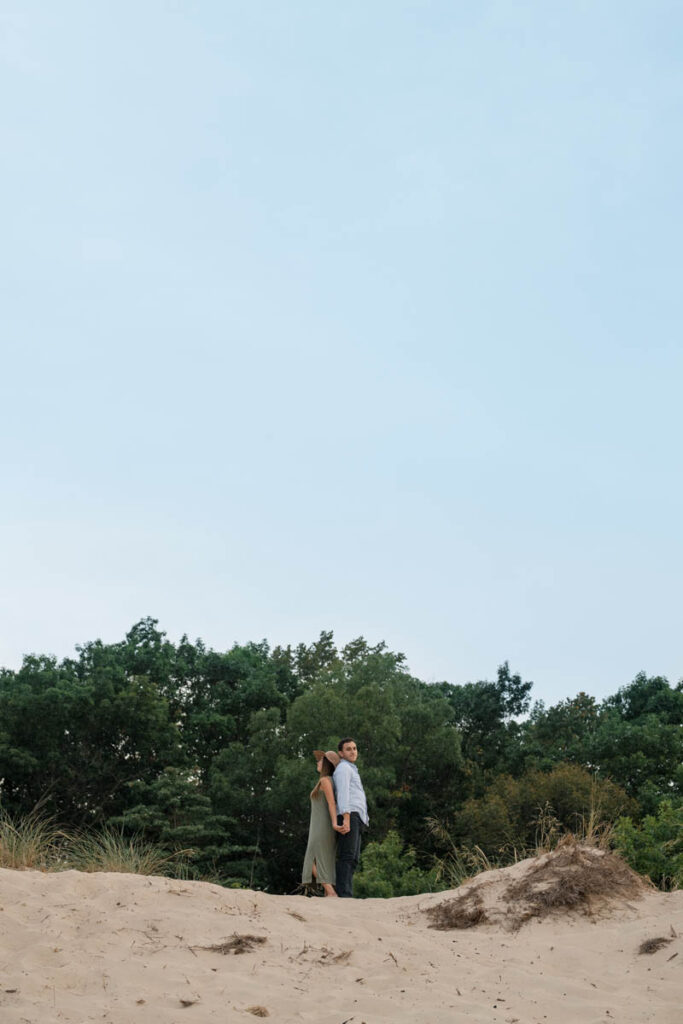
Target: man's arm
(342,786)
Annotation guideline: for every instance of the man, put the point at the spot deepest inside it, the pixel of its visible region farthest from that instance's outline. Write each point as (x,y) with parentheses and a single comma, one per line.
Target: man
(352,815)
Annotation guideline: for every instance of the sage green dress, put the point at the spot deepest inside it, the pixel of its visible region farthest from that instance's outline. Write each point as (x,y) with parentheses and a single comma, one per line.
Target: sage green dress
(322,843)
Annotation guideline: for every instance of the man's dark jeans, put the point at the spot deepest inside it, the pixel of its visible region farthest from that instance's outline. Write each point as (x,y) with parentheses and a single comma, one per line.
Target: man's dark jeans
(348,854)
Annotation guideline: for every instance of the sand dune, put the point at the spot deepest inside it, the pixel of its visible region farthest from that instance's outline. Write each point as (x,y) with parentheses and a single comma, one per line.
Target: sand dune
(123,948)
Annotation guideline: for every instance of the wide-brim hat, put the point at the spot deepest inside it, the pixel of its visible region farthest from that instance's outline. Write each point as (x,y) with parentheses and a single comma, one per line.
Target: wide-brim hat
(331,755)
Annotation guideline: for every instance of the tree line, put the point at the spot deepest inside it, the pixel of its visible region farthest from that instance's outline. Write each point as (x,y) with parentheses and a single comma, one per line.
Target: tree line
(212,751)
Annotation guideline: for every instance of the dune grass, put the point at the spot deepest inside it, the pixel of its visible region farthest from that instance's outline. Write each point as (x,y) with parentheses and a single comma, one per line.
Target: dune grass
(30,842)
(35,843)
(110,850)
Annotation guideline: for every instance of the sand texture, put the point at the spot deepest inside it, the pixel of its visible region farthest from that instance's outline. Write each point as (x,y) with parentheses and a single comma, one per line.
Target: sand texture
(125,948)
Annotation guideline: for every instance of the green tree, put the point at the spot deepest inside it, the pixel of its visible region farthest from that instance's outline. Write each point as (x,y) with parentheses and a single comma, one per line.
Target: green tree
(75,734)
(485,715)
(175,815)
(639,742)
(634,738)
(562,733)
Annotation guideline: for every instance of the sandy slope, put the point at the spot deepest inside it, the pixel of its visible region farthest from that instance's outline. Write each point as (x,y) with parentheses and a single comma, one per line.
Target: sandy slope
(122,948)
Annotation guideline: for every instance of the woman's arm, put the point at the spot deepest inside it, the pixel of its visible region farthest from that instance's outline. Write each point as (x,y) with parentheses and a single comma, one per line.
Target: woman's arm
(326,786)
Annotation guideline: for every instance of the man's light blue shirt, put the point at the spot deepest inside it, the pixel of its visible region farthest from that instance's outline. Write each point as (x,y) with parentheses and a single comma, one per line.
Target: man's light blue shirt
(348,790)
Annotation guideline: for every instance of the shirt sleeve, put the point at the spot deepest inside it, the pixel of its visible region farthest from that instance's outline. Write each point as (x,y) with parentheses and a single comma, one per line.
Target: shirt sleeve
(342,786)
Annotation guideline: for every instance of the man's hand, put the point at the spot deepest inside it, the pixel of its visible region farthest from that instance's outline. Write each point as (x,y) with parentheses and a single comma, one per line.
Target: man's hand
(343,824)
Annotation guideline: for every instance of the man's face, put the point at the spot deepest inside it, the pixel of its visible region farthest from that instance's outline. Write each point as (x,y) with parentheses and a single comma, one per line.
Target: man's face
(349,751)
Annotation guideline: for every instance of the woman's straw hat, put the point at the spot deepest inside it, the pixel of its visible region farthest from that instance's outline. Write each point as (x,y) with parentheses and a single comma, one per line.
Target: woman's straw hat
(331,755)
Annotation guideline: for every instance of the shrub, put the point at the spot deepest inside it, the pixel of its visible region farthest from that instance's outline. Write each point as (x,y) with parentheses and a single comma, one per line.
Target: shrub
(655,847)
(388,870)
(537,809)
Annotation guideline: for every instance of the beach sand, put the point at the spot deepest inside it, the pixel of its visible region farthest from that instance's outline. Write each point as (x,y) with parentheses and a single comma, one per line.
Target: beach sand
(118,948)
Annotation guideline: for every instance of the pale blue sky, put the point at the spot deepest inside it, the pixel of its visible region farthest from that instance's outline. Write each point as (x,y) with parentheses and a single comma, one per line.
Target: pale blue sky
(362,317)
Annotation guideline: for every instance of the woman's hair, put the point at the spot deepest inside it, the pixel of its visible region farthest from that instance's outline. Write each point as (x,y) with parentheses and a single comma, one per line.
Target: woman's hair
(326,770)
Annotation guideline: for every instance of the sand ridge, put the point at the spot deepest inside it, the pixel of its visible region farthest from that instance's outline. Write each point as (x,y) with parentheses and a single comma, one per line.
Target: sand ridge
(120,948)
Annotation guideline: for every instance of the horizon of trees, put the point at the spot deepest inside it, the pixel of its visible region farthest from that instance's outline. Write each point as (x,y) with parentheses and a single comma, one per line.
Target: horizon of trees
(212,751)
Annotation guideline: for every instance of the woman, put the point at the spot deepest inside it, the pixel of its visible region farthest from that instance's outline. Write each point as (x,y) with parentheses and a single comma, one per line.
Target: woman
(321,851)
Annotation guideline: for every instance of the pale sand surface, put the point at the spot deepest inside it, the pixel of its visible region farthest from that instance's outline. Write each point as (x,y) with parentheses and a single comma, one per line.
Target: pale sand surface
(124,948)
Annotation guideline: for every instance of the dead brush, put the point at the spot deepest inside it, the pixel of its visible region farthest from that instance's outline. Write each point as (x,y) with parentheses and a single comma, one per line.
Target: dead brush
(236,944)
(464,911)
(572,877)
(652,945)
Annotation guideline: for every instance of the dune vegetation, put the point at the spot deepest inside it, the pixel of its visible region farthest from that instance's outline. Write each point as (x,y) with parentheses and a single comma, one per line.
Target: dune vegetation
(165,758)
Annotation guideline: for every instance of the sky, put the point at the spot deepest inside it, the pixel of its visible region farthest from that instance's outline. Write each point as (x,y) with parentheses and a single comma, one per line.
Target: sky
(360,317)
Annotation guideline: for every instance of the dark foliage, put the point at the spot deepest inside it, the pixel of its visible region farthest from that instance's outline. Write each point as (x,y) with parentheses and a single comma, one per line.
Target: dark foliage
(212,751)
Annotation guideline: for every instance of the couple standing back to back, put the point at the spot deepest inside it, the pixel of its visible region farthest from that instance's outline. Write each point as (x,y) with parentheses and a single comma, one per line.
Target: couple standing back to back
(339,814)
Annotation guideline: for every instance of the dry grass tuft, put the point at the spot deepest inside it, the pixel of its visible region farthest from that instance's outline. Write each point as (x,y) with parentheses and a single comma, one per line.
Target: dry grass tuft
(573,878)
(236,945)
(111,850)
(258,1011)
(31,842)
(464,911)
(652,945)
(34,841)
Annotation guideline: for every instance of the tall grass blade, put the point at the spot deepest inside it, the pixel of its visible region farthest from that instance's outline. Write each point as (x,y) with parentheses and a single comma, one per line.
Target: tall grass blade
(32,842)
(111,850)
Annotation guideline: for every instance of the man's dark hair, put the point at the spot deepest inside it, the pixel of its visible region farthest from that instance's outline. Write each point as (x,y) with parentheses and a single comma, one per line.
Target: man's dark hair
(347,739)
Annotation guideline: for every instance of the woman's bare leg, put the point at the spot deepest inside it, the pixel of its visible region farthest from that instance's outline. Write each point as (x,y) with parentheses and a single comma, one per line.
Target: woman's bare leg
(329,889)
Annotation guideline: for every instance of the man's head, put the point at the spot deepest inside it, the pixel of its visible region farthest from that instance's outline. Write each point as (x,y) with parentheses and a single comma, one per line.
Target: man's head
(348,750)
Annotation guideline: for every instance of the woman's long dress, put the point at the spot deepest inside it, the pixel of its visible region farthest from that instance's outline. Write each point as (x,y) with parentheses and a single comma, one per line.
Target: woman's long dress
(322,843)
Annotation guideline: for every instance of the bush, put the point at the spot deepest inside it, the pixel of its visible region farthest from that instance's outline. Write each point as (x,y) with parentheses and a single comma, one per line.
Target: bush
(388,870)
(655,847)
(521,815)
